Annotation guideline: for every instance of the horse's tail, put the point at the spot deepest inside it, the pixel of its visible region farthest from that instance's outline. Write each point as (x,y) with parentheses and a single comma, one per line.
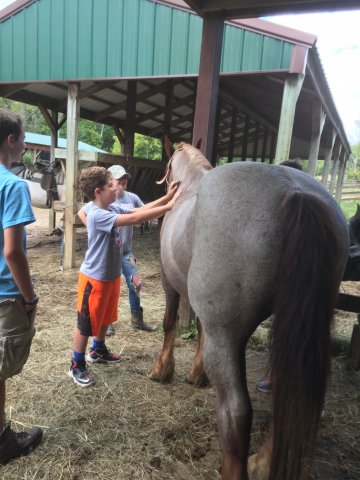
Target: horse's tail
(308,282)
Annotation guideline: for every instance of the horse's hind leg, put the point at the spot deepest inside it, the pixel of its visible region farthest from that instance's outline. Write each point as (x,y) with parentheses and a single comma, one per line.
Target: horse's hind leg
(164,368)
(224,361)
(197,375)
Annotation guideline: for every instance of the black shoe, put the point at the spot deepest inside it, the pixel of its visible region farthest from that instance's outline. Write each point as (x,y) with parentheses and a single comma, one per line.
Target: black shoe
(13,445)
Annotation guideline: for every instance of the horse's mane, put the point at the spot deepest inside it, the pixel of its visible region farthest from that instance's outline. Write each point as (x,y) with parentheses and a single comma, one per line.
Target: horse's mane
(195,156)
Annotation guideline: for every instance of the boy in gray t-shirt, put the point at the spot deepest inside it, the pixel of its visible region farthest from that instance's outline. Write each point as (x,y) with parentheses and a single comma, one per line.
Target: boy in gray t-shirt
(99,276)
(129,268)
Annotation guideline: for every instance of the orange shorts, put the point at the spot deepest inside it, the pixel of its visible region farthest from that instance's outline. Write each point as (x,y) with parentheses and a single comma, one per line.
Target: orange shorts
(97,304)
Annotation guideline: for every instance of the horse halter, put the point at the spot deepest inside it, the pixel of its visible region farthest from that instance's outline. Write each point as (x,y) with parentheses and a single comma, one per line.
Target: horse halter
(168,168)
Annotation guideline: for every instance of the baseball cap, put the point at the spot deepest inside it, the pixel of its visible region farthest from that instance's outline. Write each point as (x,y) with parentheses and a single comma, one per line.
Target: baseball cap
(117,171)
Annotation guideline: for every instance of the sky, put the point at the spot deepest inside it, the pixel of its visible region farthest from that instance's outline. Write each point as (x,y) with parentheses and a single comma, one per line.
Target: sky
(339,49)
(338,44)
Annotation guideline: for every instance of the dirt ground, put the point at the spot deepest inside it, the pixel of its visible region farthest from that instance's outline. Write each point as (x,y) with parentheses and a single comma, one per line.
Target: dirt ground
(128,427)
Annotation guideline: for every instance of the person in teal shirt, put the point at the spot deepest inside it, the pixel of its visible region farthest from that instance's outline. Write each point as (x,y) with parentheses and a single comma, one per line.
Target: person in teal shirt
(17,296)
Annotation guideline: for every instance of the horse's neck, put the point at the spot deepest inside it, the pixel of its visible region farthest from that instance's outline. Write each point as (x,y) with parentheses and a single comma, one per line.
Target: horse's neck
(190,177)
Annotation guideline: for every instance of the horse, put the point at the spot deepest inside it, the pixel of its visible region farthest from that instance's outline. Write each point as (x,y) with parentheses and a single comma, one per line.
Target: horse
(46,184)
(352,270)
(244,241)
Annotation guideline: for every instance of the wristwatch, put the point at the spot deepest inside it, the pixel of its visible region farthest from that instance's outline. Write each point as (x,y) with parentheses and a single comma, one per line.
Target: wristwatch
(33,301)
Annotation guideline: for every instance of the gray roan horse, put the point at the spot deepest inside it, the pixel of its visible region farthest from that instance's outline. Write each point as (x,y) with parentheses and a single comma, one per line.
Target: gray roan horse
(46,184)
(246,240)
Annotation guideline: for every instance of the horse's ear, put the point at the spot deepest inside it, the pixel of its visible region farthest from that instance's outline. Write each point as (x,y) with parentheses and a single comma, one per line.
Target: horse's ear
(198,145)
(169,149)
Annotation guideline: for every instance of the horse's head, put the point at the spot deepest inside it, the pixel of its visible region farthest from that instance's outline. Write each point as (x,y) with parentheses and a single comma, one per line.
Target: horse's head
(186,163)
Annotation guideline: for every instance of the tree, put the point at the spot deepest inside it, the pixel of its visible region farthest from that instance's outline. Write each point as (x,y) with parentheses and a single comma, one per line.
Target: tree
(145,147)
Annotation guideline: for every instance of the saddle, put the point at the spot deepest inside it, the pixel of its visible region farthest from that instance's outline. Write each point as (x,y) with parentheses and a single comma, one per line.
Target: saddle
(17,168)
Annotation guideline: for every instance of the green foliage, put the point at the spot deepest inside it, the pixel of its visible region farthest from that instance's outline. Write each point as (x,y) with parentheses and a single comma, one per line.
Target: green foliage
(348,208)
(144,147)
(192,333)
(96,134)
(356,151)
(147,147)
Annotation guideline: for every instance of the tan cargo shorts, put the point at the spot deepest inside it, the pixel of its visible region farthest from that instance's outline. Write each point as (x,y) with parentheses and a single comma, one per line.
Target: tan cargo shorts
(16,333)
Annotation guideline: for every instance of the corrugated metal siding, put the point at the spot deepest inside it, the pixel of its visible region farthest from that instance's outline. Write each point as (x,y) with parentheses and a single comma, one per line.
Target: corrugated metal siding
(249,51)
(68,39)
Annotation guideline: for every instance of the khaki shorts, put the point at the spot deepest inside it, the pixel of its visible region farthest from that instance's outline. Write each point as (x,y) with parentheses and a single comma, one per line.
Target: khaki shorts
(16,333)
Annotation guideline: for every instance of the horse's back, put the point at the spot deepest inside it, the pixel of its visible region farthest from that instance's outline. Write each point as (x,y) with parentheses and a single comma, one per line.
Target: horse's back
(238,233)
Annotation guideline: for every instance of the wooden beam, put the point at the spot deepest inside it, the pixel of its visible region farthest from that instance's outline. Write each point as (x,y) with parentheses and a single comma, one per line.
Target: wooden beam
(109,159)
(49,118)
(119,136)
(208,82)
(340,179)
(245,139)
(73,117)
(291,93)
(130,119)
(244,109)
(122,105)
(6,90)
(264,144)
(256,142)
(328,154)
(334,167)
(54,144)
(168,110)
(232,136)
(318,117)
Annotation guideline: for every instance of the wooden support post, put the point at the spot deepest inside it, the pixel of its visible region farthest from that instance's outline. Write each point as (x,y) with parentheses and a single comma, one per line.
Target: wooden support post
(208,82)
(53,123)
(245,139)
(264,144)
(334,168)
(167,116)
(272,149)
(130,118)
(256,142)
(291,93)
(232,136)
(340,178)
(317,124)
(213,159)
(54,144)
(73,116)
(119,136)
(328,154)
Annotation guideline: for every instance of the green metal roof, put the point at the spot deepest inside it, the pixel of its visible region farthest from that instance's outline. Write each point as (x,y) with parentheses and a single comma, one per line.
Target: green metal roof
(78,39)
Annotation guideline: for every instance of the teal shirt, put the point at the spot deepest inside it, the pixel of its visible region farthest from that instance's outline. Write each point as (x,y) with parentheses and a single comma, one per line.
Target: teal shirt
(15,208)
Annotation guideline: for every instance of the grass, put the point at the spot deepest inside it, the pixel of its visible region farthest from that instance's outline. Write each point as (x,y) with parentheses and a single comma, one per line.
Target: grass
(349,208)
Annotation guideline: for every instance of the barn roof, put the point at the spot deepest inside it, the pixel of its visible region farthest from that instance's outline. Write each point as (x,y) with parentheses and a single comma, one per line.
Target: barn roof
(107,44)
(45,141)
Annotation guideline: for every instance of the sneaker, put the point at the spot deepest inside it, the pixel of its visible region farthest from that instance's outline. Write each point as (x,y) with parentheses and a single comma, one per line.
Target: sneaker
(102,355)
(80,374)
(110,331)
(14,445)
(265,386)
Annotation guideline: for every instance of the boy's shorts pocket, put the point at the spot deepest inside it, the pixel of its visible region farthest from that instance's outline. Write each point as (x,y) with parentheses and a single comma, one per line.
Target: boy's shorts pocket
(14,352)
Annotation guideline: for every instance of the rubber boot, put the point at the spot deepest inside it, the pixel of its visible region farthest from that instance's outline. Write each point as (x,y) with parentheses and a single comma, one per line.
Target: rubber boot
(137,322)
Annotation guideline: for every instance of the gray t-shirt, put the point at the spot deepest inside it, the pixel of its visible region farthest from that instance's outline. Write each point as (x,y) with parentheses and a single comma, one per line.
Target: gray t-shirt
(105,245)
(127,202)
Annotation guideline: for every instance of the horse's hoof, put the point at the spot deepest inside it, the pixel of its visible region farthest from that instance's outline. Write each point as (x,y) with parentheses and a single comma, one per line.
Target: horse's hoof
(159,376)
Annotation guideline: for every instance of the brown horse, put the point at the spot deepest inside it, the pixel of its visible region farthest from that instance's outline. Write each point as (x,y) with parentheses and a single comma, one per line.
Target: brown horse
(246,240)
